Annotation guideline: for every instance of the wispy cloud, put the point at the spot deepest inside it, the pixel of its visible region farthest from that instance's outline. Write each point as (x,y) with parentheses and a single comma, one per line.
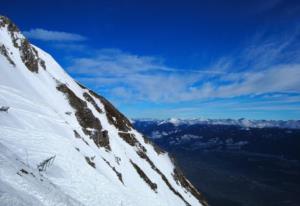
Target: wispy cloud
(145,78)
(47,35)
(266,49)
(135,77)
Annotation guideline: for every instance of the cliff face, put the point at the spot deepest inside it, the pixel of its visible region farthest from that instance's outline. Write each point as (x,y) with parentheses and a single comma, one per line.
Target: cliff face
(63,144)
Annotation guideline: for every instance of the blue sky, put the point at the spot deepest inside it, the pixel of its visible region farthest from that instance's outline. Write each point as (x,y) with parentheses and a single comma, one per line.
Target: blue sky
(186,59)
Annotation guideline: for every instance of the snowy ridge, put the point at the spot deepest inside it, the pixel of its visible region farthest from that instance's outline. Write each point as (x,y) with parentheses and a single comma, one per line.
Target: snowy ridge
(98,158)
(291,124)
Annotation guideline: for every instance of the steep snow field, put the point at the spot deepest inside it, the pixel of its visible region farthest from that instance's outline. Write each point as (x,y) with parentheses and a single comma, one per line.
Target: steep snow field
(42,123)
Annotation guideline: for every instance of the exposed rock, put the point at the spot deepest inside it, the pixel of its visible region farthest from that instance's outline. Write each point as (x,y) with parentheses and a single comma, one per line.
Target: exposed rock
(4,52)
(81,86)
(131,140)
(90,162)
(157,149)
(83,114)
(181,180)
(4,109)
(118,160)
(43,64)
(29,54)
(104,141)
(144,156)
(23,171)
(113,115)
(76,134)
(119,175)
(90,124)
(152,185)
(92,101)
(10,25)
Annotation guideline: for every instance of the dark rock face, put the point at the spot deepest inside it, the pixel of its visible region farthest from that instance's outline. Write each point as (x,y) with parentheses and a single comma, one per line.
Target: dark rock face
(76,134)
(92,101)
(104,141)
(157,149)
(29,54)
(11,27)
(90,124)
(131,140)
(151,184)
(119,175)
(84,115)
(90,162)
(113,115)
(144,156)
(4,52)
(181,180)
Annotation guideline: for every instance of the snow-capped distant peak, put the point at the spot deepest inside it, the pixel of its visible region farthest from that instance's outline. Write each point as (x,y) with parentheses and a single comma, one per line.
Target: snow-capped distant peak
(174,121)
(243,122)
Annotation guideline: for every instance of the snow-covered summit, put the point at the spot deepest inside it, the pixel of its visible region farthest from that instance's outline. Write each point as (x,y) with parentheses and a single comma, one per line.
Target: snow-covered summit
(63,144)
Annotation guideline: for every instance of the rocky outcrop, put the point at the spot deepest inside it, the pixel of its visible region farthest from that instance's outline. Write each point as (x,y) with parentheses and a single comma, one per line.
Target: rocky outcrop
(90,162)
(29,54)
(5,53)
(119,175)
(92,101)
(151,184)
(157,149)
(90,124)
(131,140)
(181,180)
(104,140)
(11,27)
(113,115)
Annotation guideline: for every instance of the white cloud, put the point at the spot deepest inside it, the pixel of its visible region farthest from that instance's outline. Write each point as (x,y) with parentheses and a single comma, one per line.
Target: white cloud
(283,78)
(47,35)
(144,78)
(133,76)
(265,65)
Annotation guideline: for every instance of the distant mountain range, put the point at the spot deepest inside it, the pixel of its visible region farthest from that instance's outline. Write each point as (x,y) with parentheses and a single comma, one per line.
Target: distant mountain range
(234,162)
(242,122)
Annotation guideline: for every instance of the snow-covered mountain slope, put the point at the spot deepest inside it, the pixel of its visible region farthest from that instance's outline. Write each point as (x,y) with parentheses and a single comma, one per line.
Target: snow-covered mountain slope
(62,144)
(246,123)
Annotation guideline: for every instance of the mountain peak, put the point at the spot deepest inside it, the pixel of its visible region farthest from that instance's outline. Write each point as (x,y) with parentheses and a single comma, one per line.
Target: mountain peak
(6,22)
(28,53)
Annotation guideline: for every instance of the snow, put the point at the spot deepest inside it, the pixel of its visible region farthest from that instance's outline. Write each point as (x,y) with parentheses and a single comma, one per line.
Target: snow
(187,137)
(245,123)
(37,127)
